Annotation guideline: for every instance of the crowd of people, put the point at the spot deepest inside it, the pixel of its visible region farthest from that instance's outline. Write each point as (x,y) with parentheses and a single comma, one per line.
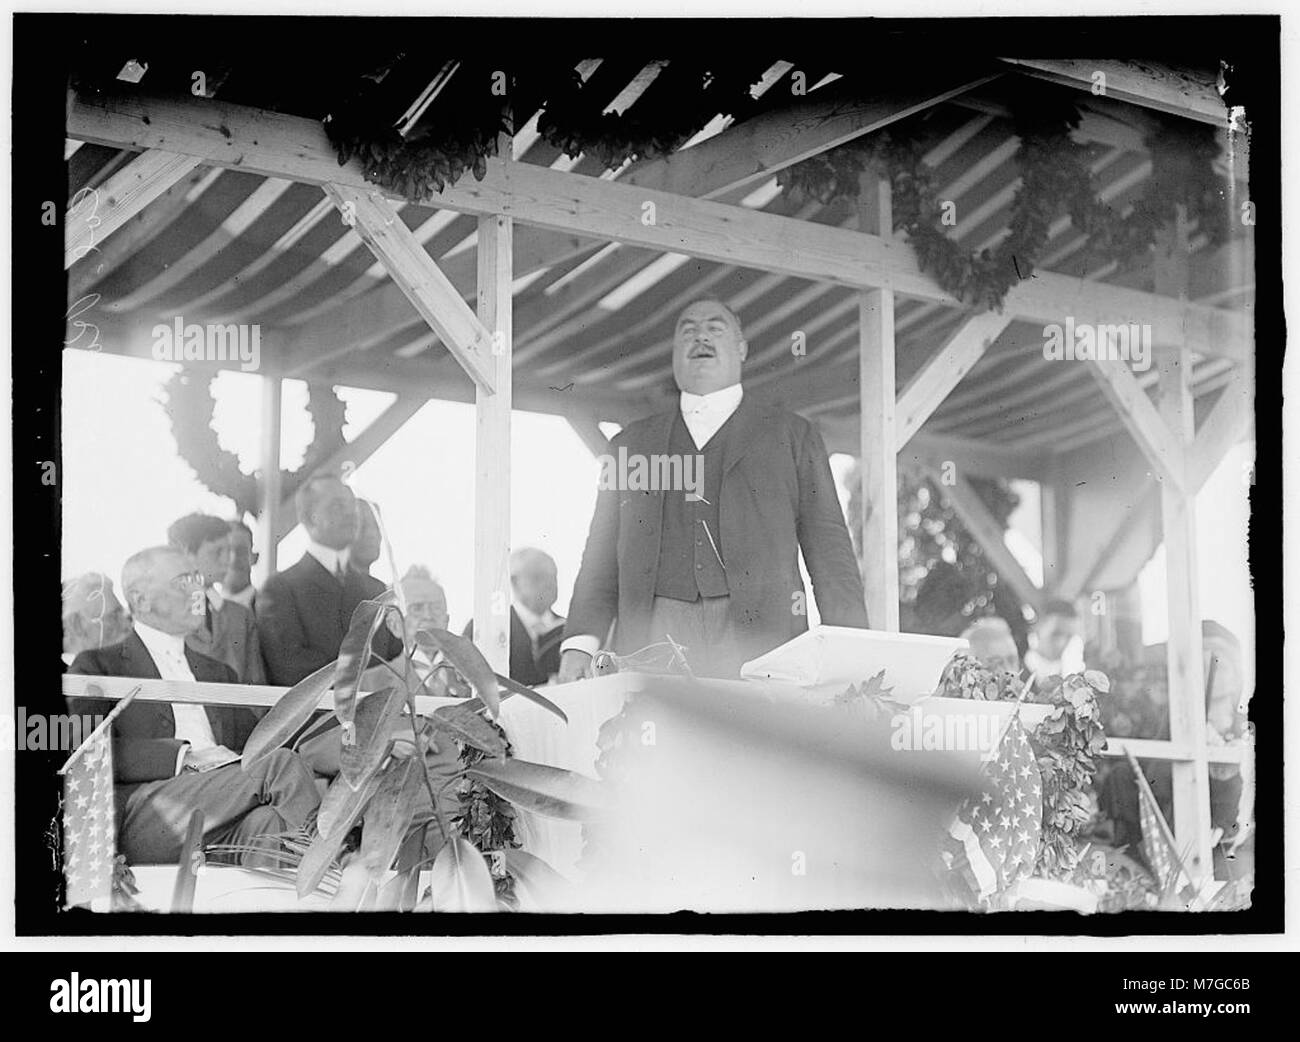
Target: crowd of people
(188,611)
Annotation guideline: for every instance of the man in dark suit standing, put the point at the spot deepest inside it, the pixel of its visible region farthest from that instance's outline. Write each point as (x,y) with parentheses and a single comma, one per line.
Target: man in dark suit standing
(701,516)
(170,759)
(303,613)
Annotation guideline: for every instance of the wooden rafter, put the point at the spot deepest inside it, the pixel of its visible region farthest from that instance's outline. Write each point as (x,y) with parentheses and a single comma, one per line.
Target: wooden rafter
(1141,418)
(285,146)
(926,391)
(1161,87)
(99,212)
(425,286)
(981,524)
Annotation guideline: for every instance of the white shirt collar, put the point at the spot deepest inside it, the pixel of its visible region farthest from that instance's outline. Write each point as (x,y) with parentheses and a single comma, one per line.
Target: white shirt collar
(215,599)
(723,401)
(704,414)
(160,644)
(331,560)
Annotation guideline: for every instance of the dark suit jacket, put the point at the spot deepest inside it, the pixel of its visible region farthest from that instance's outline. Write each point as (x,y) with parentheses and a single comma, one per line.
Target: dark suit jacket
(303,614)
(145,746)
(778,495)
(526,668)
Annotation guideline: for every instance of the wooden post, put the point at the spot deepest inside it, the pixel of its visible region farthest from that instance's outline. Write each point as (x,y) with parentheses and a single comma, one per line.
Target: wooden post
(492,447)
(268,530)
(1191,781)
(1054,519)
(879,438)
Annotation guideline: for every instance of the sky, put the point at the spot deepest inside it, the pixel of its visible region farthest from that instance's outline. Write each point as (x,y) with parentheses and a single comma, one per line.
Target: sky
(124,483)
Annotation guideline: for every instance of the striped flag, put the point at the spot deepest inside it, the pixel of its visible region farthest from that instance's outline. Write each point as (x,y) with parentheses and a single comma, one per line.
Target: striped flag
(89,834)
(1158,847)
(993,841)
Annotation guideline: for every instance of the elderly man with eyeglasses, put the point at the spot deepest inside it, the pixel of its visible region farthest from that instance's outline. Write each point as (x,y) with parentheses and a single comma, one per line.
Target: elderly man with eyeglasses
(172,758)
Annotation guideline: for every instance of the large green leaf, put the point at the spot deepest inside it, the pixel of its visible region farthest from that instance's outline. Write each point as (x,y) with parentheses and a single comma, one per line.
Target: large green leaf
(532,696)
(287,715)
(353,655)
(465,724)
(341,804)
(345,807)
(470,663)
(389,812)
(549,791)
(375,716)
(460,880)
(539,887)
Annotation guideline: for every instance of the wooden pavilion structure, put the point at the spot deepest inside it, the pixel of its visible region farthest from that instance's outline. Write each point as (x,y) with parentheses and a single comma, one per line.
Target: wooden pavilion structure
(544,287)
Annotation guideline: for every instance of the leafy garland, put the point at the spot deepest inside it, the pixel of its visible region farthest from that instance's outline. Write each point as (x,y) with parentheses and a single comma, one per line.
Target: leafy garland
(437,152)
(1065,744)
(188,402)
(1055,179)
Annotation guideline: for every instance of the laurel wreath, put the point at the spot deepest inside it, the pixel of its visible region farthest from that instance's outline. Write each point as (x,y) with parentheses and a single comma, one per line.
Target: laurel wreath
(187,400)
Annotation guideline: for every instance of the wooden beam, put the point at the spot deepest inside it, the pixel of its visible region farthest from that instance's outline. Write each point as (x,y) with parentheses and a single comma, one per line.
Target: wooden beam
(277,145)
(268,535)
(492,448)
(419,279)
(133,235)
(1054,527)
(1228,423)
(758,148)
(1183,649)
(356,452)
(592,436)
(989,534)
(878,431)
(99,212)
(926,391)
(1161,87)
(1141,419)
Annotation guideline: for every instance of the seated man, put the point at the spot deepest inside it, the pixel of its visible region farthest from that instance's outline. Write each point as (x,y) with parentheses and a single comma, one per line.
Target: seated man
(228,632)
(304,612)
(992,643)
(168,757)
(92,616)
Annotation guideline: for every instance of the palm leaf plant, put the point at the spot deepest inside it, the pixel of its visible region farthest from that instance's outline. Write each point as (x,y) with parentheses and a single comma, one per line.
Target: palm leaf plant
(385,784)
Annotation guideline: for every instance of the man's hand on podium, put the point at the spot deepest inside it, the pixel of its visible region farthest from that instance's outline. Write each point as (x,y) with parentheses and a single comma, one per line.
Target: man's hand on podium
(574,665)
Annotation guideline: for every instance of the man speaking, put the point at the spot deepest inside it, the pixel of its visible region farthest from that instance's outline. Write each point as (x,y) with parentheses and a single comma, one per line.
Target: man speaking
(714,564)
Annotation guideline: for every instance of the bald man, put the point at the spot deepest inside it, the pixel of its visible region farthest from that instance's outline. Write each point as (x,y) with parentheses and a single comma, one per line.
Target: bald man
(535,630)
(172,758)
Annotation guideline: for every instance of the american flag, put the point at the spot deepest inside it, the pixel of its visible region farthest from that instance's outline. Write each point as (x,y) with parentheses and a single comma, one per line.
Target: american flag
(1157,845)
(993,841)
(89,835)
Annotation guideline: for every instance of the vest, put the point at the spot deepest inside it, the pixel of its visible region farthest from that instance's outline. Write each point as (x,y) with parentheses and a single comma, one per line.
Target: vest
(689,565)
